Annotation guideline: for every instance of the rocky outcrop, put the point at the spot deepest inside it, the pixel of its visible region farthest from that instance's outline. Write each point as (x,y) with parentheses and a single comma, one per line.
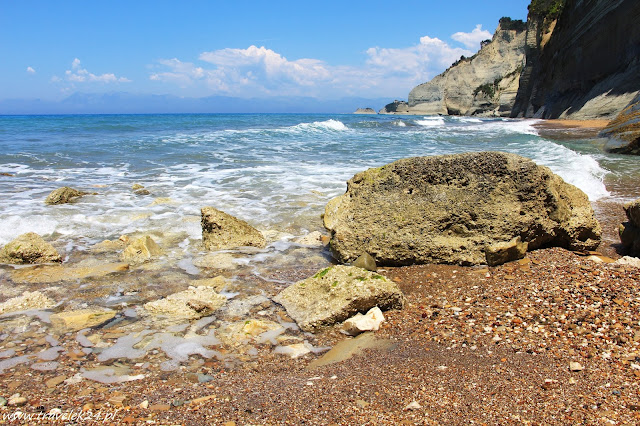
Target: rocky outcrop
(395,107)
(485,84)
(63,195)
(222,231)
(29,248)
(28,300)
(337,293)
(623,131)
(585,64)
(365,111)
(458,209)
(630,231)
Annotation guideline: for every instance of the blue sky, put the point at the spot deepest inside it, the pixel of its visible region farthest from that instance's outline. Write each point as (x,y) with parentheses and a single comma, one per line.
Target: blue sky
(327,49)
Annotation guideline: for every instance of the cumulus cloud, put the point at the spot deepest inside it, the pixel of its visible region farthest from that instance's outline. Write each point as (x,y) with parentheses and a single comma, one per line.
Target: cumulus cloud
(77,74)
(260,71)
(30,70)
(472,40)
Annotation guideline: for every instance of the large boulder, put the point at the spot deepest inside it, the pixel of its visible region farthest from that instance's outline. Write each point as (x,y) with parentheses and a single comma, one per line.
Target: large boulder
(63,195)
(337,293)
(222,231)
(456,209)
(29,248)
(630,231)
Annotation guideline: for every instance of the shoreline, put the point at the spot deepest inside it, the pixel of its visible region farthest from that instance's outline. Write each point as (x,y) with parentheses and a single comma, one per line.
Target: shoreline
(486,344)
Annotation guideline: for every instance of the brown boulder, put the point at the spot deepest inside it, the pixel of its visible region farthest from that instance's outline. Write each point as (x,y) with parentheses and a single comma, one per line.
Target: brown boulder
(29,248)
(457,208)
(222,231)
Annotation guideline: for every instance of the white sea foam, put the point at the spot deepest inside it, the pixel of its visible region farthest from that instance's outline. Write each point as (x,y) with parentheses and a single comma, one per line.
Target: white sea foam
(431,121)
(13,226)
(328,125)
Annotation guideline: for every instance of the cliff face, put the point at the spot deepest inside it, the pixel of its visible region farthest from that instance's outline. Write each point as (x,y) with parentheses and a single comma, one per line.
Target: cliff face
(485,84)
(587,68)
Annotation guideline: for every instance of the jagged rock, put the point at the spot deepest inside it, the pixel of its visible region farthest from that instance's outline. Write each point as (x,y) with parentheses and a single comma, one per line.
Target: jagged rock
(485,84)
(28,300)
(365,261)
(630,231)
(223,231)
(360,323)
(453,208)
(68,321)
(217,283)
(395,107)
(507,251)
(335,294)
(140,250)
(29,248)
(55,273)
(192,303)
(365,111)
(63,195)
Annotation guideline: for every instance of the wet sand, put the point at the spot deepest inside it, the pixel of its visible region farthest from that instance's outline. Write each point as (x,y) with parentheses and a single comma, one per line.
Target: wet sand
(570,129)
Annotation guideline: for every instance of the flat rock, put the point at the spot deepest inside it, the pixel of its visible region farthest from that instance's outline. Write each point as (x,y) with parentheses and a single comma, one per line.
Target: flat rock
(29,248)
(28,300)
(82,318)
(51,274)
(63,195)
(474,201)
(241,332)
(337,293)
(192,303)
(350,347)
(223,231)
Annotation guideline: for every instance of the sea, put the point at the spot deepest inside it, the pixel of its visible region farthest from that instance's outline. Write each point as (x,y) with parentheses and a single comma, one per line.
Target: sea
(275,171)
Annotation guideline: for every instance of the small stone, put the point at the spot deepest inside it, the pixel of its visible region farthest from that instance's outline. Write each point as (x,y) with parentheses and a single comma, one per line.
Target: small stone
(360,323)
(362,403)
(575,366)
(229,424)
(52,383)
(202,399)
(366,261)
(144,404)
(17,400)
(3,401)
(204,378)
(88,406)
(118,400)
(160,407)
(414,405)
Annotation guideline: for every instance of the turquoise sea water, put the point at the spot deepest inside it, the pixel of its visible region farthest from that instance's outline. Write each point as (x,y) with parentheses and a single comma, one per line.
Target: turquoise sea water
(277,171)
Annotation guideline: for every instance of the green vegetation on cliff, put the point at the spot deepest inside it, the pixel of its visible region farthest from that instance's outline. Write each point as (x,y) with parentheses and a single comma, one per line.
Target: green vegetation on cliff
(547,9)
(509,24)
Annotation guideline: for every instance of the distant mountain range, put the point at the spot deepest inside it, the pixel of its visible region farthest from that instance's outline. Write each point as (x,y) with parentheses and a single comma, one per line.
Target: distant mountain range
(128,103)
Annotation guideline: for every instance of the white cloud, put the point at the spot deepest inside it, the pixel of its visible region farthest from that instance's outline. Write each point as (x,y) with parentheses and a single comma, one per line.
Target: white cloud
(77,74)
(30,70)
(259,71)
(472,40)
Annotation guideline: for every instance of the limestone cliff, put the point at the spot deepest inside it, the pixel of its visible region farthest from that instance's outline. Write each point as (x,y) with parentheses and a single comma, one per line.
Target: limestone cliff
(485,84)
(585,64)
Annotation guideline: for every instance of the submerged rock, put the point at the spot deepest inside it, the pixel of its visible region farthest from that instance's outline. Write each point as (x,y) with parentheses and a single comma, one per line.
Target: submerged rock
(456,208)
(140,250)
(192,303)
(222,231)
(28,300)
(29,248)
(242,332)
(67,321)
(55,273)
(630,231)
(335,294)
(63,195)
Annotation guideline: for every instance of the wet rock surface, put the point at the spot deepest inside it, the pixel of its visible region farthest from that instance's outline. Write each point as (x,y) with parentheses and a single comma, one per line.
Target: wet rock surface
(29,248)
(223,231)
(474,200)
(630,231)
(63,195)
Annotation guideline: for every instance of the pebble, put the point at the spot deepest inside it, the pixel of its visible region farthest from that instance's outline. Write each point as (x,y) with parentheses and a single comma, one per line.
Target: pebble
(414,405)
(575,366)
(160,407)
(204,378)
(3,401)
(16,400)
(52,383)
(144,404)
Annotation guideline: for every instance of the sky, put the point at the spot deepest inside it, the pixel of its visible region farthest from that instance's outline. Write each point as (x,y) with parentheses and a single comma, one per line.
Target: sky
(322,49)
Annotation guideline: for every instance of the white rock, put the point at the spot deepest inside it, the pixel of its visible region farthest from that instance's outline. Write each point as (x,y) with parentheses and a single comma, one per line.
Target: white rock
(575,366)
(628,260)
(413,406)
(359,323)
(294,351)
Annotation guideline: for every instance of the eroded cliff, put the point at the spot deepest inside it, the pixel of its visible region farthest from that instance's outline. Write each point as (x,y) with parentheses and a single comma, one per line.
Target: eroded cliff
(485,84)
